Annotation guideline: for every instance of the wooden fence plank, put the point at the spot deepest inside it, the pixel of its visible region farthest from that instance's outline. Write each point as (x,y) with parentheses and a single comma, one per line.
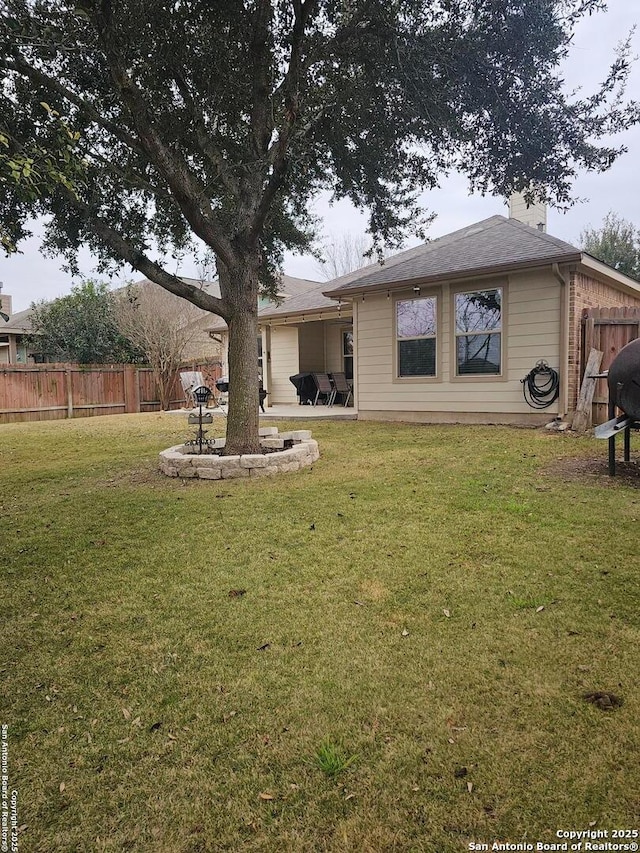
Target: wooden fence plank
(583,413)
(51,391)
(607,330)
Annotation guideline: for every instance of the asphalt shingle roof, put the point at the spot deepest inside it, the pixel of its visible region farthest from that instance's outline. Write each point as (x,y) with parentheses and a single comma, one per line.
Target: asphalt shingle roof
(19,323)
(312,300)
(494,243)
(295,291)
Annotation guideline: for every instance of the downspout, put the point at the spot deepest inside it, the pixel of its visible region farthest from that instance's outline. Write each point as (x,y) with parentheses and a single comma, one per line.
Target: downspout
(356,359)
(266,361)
(563,399)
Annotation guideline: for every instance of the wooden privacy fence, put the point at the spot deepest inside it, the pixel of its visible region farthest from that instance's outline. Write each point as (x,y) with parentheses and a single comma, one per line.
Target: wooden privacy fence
(52,391)
(607,330)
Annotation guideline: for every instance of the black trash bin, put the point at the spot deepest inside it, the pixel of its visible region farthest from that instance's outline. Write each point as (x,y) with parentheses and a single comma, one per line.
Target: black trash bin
(305,387)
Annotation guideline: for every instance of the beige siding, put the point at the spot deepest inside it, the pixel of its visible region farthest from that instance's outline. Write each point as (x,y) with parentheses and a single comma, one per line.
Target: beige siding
(333,345)
(531,331)
(312,347)
(284,363)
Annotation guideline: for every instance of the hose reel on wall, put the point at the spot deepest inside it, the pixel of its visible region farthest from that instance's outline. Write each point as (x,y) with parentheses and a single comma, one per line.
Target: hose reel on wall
(541,386)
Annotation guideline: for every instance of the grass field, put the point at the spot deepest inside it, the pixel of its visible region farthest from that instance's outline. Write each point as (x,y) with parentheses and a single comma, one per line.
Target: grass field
(385,652)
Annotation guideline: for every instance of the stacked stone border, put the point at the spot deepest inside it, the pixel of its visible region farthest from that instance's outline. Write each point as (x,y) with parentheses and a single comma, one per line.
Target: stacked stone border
(180,461)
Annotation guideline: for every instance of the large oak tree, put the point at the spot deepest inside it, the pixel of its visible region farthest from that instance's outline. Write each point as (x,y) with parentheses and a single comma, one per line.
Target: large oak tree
(134,123)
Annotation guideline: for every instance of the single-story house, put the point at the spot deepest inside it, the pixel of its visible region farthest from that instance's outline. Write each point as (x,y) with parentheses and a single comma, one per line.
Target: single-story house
(14,329)
(193,321)
(447,331)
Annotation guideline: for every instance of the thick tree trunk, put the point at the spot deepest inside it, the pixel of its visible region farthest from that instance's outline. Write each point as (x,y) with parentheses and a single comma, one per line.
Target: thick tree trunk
(240,288)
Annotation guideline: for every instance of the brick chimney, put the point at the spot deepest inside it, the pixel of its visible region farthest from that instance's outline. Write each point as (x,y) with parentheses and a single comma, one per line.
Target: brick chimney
(534,215)
(5,302)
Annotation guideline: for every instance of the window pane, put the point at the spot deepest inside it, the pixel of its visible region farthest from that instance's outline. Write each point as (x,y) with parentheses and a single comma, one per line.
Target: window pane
(478,311)
(478,354)
(348,367)
(417,358)
(347,343)
(416,317)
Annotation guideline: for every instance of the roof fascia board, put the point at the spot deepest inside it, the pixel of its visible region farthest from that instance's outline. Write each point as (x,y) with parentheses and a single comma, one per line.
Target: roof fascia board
(619,280)
(15,330)
(331,312)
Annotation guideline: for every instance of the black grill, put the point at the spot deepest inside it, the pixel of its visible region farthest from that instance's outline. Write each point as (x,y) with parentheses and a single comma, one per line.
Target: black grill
(623,380)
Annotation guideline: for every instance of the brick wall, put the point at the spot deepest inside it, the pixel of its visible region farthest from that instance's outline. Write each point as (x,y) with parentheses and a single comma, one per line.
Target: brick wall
(587,292)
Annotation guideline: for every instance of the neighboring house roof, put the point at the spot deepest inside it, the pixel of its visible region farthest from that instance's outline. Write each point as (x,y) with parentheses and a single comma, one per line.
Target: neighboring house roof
(292,291)
(312,300)
(211,287)
(290,287)
(19,324)
(192,321)
(489,246)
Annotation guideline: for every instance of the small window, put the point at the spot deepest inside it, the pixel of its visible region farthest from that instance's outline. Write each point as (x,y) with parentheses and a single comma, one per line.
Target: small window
(479,333)
(416,334)
(347,354)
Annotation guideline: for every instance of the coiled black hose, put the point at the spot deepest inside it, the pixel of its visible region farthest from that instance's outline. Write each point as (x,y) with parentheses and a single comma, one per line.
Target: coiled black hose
(541,387)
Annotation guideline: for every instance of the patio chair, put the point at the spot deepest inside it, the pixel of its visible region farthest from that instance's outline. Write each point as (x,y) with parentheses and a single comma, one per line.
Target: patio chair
(324,388)
(341,386)
(190,380)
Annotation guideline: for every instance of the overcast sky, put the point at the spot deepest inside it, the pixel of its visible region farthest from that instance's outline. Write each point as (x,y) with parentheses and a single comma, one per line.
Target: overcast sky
(29,277)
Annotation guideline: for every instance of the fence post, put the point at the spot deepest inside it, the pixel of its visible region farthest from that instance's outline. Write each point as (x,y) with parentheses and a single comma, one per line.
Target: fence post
(131,389)
(69,380)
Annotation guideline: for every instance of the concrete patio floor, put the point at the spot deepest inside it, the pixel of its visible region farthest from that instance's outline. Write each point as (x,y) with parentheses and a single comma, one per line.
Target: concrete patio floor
(293,412)
(333,413)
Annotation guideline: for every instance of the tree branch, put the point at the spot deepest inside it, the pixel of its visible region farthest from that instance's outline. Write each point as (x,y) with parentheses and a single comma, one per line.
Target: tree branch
(139,261)
(132,177)
(39,77)
(202,226)
(289,89)
(203,137)
(186,189)
(262,108)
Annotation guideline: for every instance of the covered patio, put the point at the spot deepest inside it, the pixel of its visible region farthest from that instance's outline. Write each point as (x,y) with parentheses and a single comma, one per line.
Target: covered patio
(318,344)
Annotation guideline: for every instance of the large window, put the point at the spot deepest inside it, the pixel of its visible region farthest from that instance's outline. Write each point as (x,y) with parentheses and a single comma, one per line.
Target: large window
(479,333)
(416,323)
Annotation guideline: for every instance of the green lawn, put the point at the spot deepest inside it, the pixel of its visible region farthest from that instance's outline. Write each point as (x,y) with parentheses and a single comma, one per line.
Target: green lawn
(424,610)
